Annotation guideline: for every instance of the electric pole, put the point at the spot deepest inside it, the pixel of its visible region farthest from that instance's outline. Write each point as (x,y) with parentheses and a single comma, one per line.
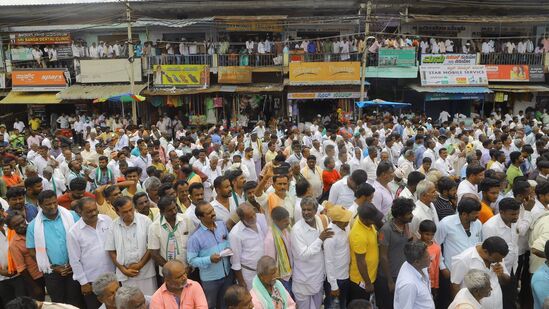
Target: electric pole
(365,54)
(130,60)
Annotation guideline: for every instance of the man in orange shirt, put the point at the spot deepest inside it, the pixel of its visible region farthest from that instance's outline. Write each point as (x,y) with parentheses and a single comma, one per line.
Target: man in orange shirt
(178,291)
(490,189)
(10,178)
(77,190)
(25,264)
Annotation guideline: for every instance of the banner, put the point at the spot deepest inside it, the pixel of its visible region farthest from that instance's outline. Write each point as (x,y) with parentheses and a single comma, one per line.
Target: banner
(515,73)
(107,70)
(21,54)
(449,59)
(453,75)
(391,72)
(322,95)
(40,38)
(397,57)
(189,75)
(234,75)
(324,73)
(40,80)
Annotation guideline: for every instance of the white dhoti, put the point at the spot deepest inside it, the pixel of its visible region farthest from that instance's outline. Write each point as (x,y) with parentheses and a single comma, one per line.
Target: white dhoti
(147,286)
(248,277)
(308,301)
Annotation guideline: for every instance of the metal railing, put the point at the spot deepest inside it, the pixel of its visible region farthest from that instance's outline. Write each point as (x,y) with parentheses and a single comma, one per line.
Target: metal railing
(179,59)
(504,58)
(245,59)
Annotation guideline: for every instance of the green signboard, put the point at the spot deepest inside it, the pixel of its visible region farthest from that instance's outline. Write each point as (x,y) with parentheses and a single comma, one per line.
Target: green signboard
(397,57)
(391,72)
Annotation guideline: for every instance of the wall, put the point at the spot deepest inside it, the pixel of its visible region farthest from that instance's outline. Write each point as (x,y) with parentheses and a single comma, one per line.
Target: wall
(522,102)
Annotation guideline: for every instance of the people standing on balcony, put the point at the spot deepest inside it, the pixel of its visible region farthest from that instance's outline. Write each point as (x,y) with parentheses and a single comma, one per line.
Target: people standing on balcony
(116,49)
(345,47)
(93,51)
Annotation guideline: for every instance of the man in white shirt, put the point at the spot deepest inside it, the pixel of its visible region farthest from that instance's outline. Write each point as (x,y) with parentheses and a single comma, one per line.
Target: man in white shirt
(425,210)
(248,161)
(127,247)
(337,254)
(413,287)
(85,244)
(342,191)
(308,236)
(19,125)
(123,140)
(370,163)
(143,160)
(474,174)
(93,51)
(504,225)
(169,233)
(489,257)
(442,165)
(477,286)
(247,239)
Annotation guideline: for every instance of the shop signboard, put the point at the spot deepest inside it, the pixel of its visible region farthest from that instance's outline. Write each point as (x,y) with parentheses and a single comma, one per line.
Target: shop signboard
(453,96)
(453,75)
(322,95)
(397,57)
(21,54)
(324,73)
(391,72)
(515,73)
(234,75)
(40,38)
(107,71)
(181,75)
(449,59)
(39,80)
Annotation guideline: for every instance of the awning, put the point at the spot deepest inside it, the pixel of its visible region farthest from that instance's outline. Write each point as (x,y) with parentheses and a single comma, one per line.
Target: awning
(465,90)
(519,88)
(258,88)
(15,97)
(382,103)
(92,92)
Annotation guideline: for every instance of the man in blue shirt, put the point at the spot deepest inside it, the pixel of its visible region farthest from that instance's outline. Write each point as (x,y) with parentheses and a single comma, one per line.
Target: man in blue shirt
(540,281)
(205,250)
(16,201)
(54,221)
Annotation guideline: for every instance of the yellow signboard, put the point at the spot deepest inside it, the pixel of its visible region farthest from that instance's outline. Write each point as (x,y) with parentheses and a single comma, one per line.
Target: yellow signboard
(234,75)
(181,75)
(324,73)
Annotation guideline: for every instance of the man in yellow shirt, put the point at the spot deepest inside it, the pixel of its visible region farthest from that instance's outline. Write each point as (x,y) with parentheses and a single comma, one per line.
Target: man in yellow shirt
(364,252)
(34,123)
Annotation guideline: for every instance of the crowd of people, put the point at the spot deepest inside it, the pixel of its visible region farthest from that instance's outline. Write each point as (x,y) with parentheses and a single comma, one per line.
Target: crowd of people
(388,211)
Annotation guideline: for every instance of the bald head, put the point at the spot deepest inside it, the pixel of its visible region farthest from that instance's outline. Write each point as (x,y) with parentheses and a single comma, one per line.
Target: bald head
(172,267)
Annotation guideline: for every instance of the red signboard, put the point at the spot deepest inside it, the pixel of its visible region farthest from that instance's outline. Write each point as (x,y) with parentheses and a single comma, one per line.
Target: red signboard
(40,38)
(515,73)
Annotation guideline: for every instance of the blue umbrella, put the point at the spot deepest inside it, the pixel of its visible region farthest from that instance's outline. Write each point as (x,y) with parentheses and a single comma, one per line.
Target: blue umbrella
(378,102)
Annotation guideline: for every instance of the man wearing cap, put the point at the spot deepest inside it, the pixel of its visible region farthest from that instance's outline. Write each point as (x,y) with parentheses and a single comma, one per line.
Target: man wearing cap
(337,255)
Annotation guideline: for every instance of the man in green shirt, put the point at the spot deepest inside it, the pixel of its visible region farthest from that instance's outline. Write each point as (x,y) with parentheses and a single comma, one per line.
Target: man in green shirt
(514,168)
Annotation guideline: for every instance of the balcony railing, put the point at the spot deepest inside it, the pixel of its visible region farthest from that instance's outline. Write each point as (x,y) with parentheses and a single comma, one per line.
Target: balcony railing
(254,60)
(179,59)
(504,58)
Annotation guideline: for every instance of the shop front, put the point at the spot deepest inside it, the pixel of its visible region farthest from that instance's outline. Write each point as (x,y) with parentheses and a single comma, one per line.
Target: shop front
(36,90)
(328,89)
(517,87)
(455,88)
